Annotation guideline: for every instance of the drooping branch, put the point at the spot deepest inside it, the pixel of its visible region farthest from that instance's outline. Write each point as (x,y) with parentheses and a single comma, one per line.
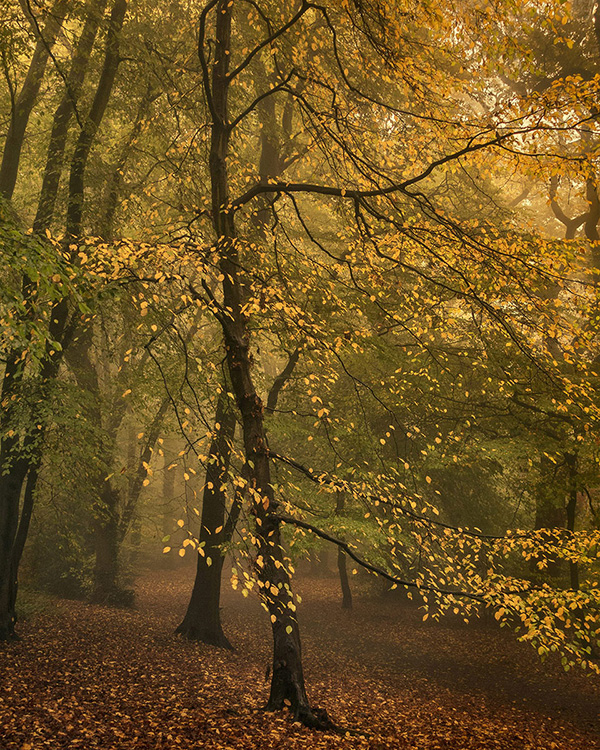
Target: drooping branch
(375,568)
(324,480)
(397,187)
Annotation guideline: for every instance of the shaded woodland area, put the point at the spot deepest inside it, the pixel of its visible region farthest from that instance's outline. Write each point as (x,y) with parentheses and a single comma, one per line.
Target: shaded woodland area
(300,334)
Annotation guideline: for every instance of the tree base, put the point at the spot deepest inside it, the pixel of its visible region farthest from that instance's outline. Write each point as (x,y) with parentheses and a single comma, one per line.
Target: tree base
(124,598)
(7,633)
(210,637)
(313,718)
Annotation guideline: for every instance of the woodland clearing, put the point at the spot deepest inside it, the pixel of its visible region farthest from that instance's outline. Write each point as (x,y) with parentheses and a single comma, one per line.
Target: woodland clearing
(87,676)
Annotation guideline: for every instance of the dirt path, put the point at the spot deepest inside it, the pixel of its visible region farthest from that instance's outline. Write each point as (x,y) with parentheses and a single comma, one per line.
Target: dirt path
(91,677)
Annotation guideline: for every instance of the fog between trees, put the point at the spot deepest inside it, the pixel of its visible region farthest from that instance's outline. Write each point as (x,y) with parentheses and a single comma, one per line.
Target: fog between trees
(302,281)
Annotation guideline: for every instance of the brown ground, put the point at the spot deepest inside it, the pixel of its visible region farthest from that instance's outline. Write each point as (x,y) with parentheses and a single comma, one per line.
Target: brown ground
(92,677)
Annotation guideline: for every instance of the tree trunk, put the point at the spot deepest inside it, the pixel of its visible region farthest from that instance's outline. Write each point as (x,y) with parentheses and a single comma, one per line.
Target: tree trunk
(287,683)
(202,621)
(549,513)
(106,528)
(94,119)
(94,12)
(341,561)
(105,225)
(571,460)
(11,485)
(11,156)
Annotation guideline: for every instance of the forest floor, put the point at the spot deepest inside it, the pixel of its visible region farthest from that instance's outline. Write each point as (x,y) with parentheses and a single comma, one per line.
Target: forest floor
(90,677)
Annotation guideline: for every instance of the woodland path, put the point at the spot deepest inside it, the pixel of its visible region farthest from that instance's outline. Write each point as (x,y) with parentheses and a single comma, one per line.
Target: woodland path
(92,677)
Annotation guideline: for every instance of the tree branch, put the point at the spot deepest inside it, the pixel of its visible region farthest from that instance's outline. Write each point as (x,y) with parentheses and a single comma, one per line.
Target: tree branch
(375,568)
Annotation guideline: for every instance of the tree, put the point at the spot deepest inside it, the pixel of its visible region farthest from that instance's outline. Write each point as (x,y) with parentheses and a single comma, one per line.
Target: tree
(390,212)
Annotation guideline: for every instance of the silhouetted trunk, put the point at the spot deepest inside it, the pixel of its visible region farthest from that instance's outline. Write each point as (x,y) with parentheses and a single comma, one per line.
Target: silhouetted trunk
(202,621)
(25,101)
(11,485)
(571,513)
(341,561)
(287,682)
(549,513)
(19,466)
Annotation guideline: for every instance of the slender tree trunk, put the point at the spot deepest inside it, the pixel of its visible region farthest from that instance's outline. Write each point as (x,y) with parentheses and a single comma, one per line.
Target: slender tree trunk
(341,561)
(202,621)
(571,459)
(141,472)
(16,460)
(287,682)
(88,133)
(114,184)
(15,137)
(168,494)
(11,485)
(105,505)
(94,12)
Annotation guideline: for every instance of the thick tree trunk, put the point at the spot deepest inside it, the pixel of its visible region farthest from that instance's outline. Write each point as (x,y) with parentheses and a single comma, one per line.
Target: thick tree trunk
(287,683)
(15,137)
(106,529)
(202,621)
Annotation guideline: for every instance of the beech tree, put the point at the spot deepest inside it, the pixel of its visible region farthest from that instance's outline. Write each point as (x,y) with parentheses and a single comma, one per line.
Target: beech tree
(390,197)
(334,191)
